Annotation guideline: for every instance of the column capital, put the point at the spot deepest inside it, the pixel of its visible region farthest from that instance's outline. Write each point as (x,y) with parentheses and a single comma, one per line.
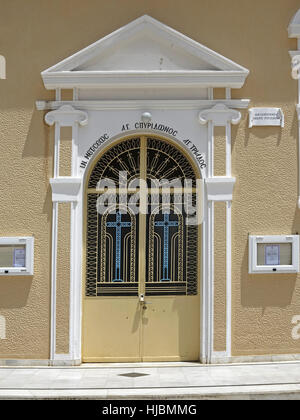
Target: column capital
(65,189)
(66,116)
(295,55)
(220,188)
(220,115)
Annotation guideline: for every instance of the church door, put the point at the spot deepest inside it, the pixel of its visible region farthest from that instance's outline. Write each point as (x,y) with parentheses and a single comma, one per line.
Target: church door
(142,254)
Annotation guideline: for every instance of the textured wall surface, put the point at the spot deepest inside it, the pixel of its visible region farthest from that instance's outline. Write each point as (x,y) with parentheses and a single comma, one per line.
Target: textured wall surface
(63,278)
(220,278)
(35,35)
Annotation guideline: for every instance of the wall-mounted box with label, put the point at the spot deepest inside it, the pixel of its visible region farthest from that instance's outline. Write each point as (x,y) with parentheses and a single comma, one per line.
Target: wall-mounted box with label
(266,117)
(273,254)
(16,256)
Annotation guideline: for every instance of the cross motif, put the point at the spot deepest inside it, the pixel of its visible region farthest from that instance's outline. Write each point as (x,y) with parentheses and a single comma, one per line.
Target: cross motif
(118,225)
(166,224)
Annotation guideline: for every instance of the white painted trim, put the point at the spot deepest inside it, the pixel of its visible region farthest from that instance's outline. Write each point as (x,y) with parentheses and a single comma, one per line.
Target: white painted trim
(66,116)
(75,94)
(210,290)
(294,26)
(65,189)
(220,188)
(222,358)
(65,362)
(76,279)
(228,93)
(211,140)
(2,327)
(11,363)
(218,358)
(228,244)
(74,162)
(102,105)
(228,149)
(56,150)
(144,80)
(221,115)
(208,312)
(204,288)
(53,280)
(58,94)
(18,241)
(294,31)
(254,240)
(228,279)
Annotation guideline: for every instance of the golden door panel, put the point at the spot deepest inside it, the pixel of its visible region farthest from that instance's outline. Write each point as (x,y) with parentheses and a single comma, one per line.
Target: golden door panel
(141,271)
(171,329)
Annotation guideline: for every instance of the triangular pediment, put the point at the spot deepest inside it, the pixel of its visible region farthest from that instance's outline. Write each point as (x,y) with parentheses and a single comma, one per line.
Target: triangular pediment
(145,52)
(294,26)
(149,50)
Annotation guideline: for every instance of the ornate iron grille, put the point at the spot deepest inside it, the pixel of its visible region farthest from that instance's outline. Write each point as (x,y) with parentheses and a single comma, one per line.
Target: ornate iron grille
(124,157)
(171,248)
(166,162)
(112,249)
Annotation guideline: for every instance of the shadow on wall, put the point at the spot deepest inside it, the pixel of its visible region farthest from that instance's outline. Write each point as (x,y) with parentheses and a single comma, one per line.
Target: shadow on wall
(296,223)
(14,291)
(263,133)
(266,290)
(39,144)
(47,207)
(257,133)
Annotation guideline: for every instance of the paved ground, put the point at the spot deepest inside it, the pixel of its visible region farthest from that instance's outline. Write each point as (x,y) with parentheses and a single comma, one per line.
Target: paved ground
(153,381)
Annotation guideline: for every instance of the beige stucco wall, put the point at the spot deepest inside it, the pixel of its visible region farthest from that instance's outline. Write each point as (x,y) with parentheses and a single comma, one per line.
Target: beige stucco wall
(37,34)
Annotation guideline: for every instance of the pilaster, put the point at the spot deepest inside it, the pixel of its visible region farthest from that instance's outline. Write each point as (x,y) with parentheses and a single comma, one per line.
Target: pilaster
(218,189)
(66,189)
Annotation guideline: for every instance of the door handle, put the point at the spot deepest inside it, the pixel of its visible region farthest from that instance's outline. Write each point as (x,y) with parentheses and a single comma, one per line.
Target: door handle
(142,300)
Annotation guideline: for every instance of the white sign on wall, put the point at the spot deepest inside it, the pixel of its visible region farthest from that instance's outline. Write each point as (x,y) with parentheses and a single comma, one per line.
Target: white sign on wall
(272,255)
(19,258)
(266,117)
(2,67)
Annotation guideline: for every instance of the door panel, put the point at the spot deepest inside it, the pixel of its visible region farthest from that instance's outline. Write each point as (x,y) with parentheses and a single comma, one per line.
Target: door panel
(111,329)
(171,329)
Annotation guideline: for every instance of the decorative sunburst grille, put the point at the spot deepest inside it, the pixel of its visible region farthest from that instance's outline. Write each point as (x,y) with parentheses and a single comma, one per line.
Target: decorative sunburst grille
(125,156)
(164,161)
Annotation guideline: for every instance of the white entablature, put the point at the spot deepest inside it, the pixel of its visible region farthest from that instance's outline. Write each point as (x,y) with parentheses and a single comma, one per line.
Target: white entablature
(145,53)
